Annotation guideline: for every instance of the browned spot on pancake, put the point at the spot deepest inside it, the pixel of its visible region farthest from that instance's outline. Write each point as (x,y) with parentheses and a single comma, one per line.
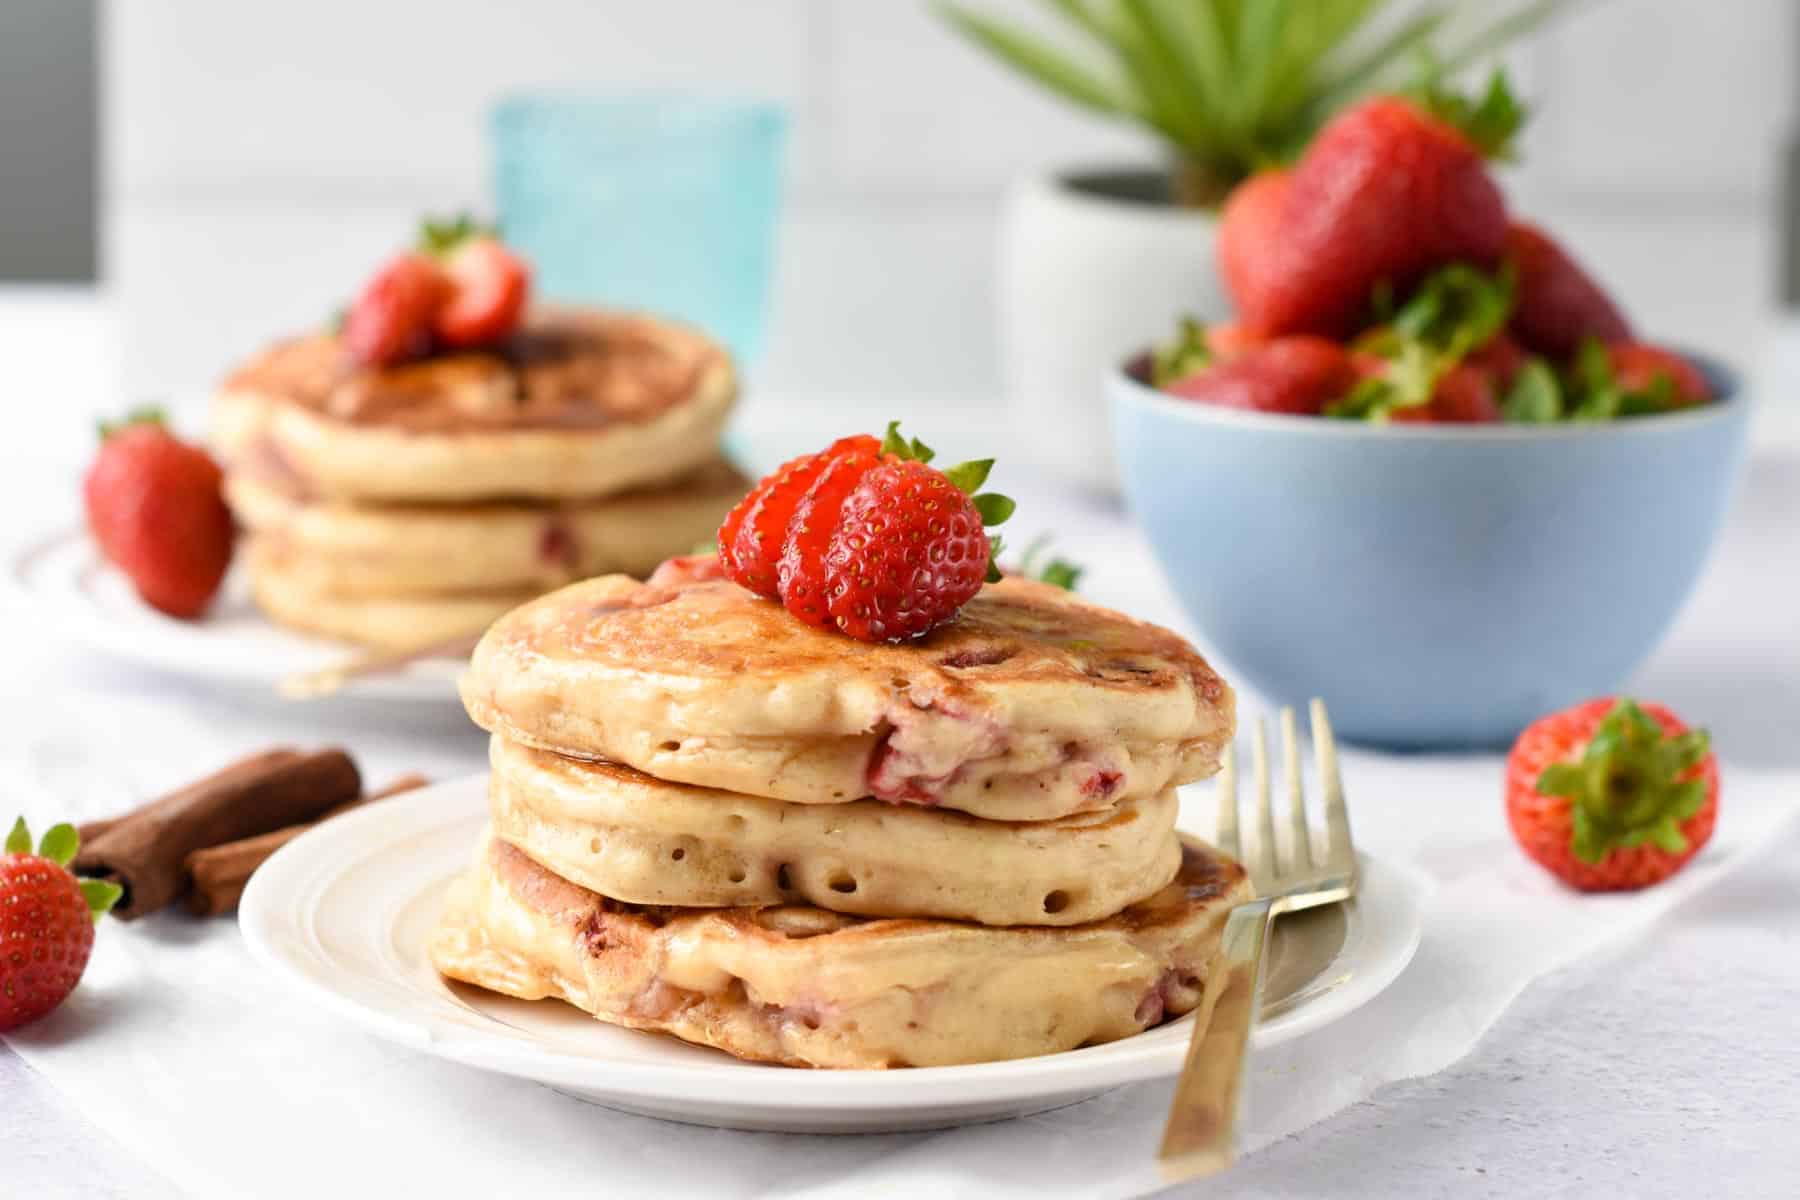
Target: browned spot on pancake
(977,656)
(565,369)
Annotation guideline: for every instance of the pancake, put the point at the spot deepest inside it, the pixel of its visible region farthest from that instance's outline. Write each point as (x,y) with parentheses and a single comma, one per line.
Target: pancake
(637,839)
(288,597)
(393,550)
(1032,705)
(808,987)
(577,403)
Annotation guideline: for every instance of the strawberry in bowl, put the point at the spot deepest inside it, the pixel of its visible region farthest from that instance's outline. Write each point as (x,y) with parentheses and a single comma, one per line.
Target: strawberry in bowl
(1390,239)
(1428,470)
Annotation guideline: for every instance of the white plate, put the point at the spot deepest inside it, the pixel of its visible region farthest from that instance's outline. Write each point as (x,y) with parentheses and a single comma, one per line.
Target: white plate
(344,912)
(62,582)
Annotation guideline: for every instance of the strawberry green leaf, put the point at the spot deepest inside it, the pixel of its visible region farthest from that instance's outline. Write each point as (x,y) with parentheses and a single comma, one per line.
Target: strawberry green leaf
(145,414)
(1535,396)
(19,840)
(913,451)
(441,236)
(1490,121)
(968,477)
(995,544)
(101,895)
(1631,786)
(1456,309)
(59,845)
(993,507)
(1182,357)
(1595,392)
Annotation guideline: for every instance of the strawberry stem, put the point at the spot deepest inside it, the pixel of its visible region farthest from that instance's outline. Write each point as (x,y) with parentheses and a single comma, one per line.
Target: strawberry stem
(1632,785)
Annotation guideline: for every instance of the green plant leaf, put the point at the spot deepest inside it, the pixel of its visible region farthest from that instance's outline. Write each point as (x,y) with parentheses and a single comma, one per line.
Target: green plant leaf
(100,894)
(60,843)
(1535,397)
(1494,36)
(19,840)
(969,476)
(1045,63)
(1158,68)
(1351,79)
(993,507)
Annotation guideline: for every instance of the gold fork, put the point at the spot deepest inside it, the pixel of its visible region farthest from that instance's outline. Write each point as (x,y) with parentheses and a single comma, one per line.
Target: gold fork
(1199,1138)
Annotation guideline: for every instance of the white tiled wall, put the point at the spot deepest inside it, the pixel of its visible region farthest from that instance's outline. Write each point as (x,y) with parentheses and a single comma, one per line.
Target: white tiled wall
(260,155)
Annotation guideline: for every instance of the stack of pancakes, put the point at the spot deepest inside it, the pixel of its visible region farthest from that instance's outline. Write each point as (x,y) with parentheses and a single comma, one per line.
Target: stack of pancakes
(394,506)
(713,820)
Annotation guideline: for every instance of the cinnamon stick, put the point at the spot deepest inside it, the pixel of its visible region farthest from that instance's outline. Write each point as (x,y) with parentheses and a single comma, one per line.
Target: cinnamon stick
(220,873)
(146,851)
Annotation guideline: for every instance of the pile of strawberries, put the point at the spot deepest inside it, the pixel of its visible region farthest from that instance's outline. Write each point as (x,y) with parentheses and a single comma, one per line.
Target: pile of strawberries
(866,537)
(1381,277)
(459,289)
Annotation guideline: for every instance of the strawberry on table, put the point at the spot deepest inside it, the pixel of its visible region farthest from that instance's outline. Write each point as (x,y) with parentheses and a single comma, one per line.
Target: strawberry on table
(156,506)
(46,923)
(1298,375)
(1612,794)
(1384,193)
(390,320)
(1558,302)
(867,538)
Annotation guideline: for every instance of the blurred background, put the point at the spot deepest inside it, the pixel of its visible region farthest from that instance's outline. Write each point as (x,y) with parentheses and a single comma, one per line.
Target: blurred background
(227,171)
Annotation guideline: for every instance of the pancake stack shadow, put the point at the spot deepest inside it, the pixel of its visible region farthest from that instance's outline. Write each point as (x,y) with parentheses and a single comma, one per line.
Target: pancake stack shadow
(404,505)
(711,820)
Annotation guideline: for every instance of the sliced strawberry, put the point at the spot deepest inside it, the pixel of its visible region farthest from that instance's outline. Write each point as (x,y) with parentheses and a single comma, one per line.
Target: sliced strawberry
(1558,302)
(801,572)
(1299,375)
(754,533)
(486,286)
(390,320)
(1643,367)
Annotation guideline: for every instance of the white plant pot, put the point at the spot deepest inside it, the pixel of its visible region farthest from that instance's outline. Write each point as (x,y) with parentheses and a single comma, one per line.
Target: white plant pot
(1094,265)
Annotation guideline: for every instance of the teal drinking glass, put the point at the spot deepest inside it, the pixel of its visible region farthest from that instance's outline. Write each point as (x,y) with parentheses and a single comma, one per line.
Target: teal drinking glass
(659,203)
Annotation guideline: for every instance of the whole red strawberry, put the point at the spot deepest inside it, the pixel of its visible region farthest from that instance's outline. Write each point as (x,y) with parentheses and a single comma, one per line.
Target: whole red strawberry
(1384,193)
(1557,302)
(1643,367)
(1296,374)
(1612,795)
(46,923)
(156,507)
(390,321)
(866,537)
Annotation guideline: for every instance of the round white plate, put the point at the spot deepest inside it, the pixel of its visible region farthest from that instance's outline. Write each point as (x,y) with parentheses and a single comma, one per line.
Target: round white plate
(61,580)
(344,913)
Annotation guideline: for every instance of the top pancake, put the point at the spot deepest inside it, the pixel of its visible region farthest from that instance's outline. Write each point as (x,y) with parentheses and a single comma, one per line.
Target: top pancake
(1031,705)
(576,403)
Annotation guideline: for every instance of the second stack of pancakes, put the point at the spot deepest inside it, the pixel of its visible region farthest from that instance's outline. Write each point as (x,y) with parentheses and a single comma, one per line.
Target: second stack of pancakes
(690,787)
(400,505)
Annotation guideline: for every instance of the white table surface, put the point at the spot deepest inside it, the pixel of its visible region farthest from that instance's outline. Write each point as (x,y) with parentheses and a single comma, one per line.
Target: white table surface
(1671,1068)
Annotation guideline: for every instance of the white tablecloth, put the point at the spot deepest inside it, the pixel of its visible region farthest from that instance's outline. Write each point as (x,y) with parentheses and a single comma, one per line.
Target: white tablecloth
(1663,1066)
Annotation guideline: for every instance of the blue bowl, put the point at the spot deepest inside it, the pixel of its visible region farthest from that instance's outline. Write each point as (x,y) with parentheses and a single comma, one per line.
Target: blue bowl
(1438,586)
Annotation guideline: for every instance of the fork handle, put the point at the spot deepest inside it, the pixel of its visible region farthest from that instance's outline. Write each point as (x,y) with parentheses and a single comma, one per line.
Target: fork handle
(1200,1137)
